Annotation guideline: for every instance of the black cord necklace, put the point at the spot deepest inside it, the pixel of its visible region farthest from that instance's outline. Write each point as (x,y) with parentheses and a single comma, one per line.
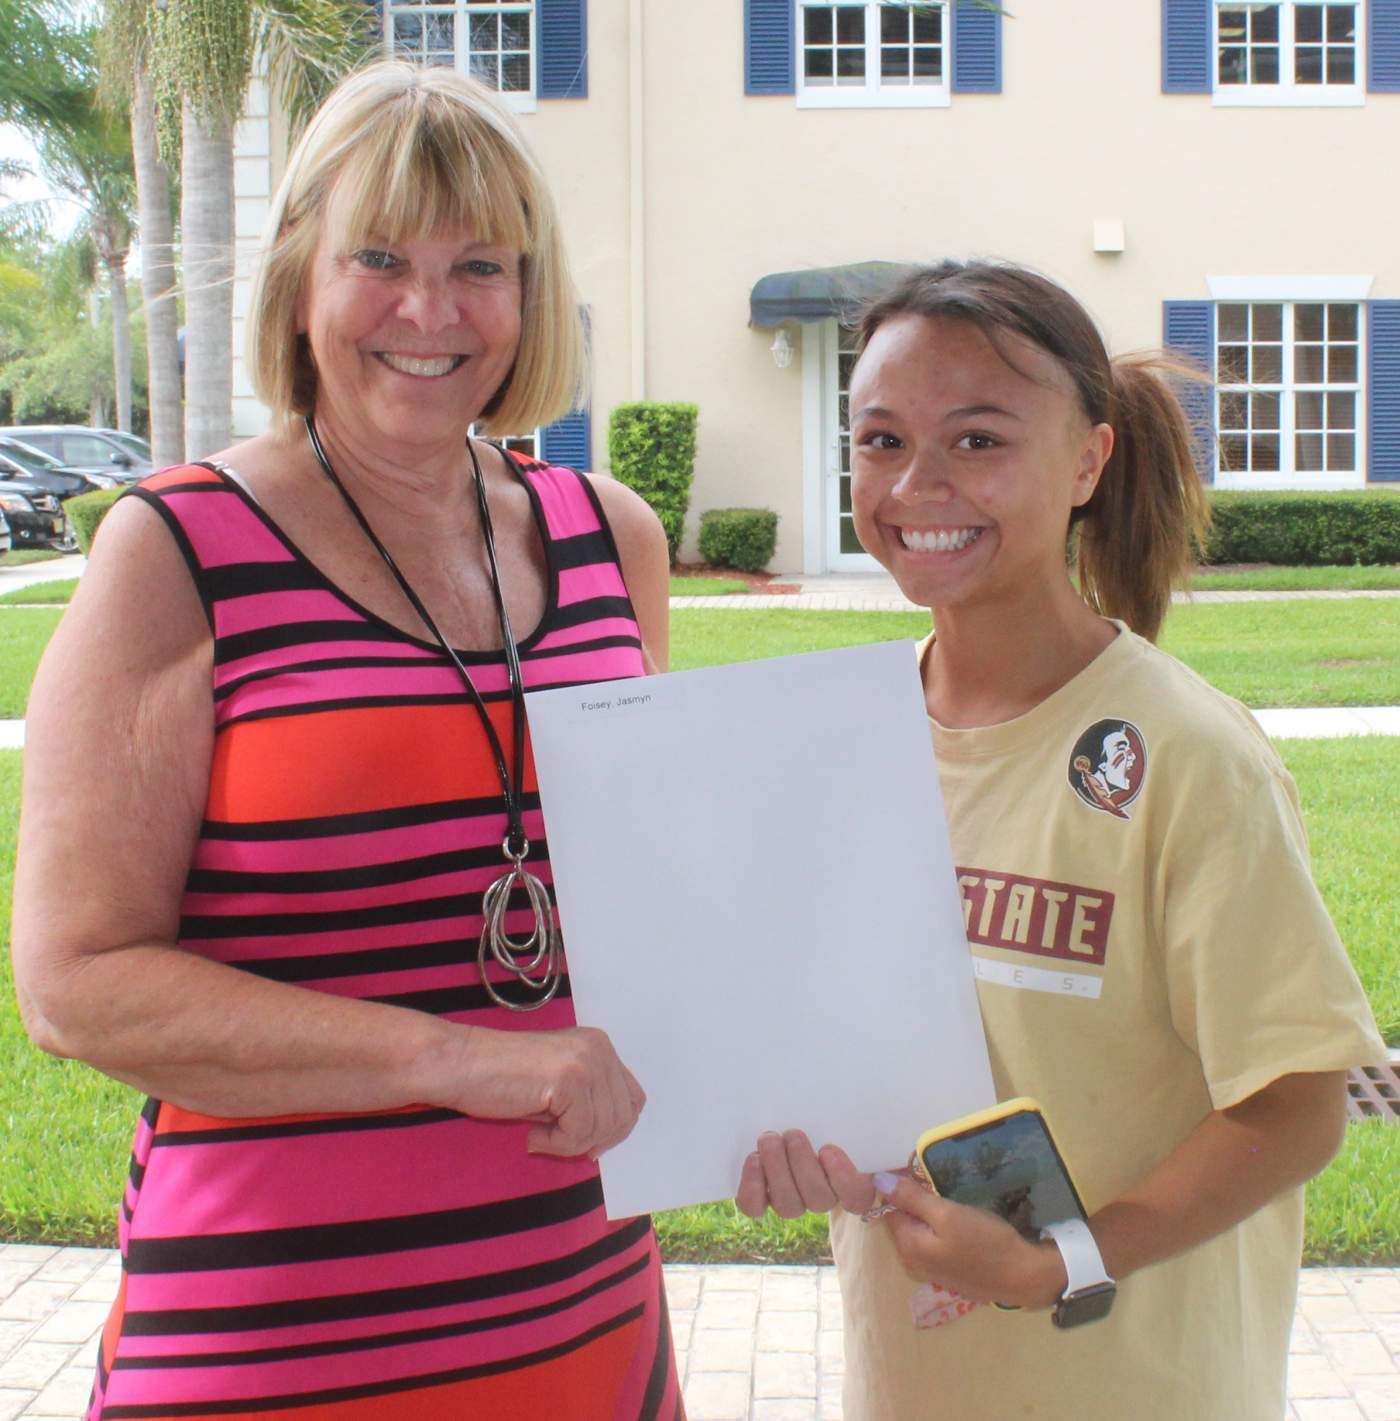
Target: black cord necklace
(535,961)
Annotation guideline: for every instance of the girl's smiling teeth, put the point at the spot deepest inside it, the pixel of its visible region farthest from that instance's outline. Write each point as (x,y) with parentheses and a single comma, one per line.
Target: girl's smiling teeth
(420,364)
(938,540)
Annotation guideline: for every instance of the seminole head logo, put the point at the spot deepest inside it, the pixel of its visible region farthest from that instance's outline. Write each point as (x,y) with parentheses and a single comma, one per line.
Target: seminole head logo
(1108,765)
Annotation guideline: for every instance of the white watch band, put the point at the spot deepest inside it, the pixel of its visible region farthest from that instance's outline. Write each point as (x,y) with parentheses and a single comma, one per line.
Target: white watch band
(1083,1262)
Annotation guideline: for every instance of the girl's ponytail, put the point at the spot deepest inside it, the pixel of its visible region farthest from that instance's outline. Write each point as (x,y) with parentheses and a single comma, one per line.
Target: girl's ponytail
(1143,529)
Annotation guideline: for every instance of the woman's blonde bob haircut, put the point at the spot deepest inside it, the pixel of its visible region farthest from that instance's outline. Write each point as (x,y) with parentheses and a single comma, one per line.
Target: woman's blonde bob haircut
(422,152)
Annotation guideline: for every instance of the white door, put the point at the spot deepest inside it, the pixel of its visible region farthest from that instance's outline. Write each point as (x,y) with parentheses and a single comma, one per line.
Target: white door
(843,552)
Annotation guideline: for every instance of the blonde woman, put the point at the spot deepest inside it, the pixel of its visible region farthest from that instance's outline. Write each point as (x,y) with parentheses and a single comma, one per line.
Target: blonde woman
(279,740)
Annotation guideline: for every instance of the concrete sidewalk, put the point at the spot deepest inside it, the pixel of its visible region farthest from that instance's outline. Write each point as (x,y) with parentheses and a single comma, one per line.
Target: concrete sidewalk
(753,1343)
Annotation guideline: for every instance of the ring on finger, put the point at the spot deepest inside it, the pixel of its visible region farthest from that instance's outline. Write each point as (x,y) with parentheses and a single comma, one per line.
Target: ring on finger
(876,1211)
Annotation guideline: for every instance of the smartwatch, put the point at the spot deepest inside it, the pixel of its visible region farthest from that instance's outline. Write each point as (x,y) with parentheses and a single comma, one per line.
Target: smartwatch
(1089,1291)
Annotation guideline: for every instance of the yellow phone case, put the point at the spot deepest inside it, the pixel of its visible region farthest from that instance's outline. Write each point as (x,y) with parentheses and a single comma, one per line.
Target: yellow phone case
(974,1122)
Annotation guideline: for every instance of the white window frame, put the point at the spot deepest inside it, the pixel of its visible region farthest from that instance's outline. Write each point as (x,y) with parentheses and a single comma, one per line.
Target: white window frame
(519,101)
(504,439)
(872,94)
(1288,294)
(1287,93)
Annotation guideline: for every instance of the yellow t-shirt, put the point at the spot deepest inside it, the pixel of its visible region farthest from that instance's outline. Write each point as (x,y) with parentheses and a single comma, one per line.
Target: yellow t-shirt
(1149,946)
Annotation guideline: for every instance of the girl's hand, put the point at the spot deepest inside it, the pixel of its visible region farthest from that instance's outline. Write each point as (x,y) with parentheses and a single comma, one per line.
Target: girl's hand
(787,1175)
(969,1251)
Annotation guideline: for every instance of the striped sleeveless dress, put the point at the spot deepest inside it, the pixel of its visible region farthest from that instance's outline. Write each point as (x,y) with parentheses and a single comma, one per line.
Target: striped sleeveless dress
(415,1263)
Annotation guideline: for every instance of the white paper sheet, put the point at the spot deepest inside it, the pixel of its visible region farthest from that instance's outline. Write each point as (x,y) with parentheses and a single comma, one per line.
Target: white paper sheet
(760,908)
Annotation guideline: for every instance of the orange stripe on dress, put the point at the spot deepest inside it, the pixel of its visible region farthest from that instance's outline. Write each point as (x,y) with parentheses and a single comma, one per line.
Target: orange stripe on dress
(175,1120)
(355,760)
(525,1394)
(180,475)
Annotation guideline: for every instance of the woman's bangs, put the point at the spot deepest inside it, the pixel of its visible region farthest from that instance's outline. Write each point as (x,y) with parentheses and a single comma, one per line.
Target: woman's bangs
(435,183)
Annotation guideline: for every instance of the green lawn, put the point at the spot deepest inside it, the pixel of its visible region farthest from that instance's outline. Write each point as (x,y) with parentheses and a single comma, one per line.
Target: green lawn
(17,557)
(1298,579)
(24,634)
(707,586)
(42,593)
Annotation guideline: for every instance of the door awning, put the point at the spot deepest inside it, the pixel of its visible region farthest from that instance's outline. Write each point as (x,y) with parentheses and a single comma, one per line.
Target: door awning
(818,293)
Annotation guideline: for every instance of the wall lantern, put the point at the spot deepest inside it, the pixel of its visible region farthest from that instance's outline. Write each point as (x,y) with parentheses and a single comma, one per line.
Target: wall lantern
(781,349)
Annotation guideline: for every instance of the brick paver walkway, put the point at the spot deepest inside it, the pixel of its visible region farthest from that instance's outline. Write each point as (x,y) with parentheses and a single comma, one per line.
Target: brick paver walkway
(753,1343)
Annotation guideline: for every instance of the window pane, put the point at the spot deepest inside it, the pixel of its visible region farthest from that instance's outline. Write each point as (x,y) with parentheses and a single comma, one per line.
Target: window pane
(1267,363)
(928,64)
(1307,66)
(408,31)
(1263,66)
(1341,66)
(1232,24)
(844,485)
(1234,411)
(1308,453)
(850,25)
(440,30)
(1341,451)
(817,66)
(849,542)
(1232,322)
(1341,365)
(1265,454)
(1307,322)
(515,32)
(515,74)
(1307,364)
(1268,322)
(850,64)
(894,63)
(1265,411)
(1232,65)
(1307,20)
(845,453)
(486,31)
(1232,364)
(1234,452)
(816,26)
(894,24)
(1307,410)
(1341,322)
(487,68)
(1264,28)
(928,26)
(1341,24)
(1341,411)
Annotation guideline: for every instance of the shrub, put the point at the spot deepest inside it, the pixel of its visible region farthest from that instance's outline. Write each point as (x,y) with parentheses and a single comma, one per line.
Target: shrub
(1305,529)
(738,537)
(88,510)
(651,448)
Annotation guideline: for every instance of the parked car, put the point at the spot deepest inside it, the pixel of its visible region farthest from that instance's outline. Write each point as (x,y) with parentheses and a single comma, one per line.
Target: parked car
(84,449)
(5,538)
(131,442)
(34,514)
(18,458)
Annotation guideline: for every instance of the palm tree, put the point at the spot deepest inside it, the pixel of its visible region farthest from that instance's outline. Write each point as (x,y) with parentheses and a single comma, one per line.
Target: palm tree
(124,54)
(202,55)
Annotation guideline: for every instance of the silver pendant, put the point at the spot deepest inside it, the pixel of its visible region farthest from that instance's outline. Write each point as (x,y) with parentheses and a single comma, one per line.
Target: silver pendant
(535,961)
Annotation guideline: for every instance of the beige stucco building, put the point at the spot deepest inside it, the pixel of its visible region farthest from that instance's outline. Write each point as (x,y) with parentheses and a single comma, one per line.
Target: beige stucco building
(1226,166)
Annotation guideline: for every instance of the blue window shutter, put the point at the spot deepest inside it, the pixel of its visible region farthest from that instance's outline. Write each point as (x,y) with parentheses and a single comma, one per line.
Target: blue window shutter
(769,36)
(1186,46)
(1188,329)
(1383,391)
(1383,46)
(563,37)
(976,48)
(569,441)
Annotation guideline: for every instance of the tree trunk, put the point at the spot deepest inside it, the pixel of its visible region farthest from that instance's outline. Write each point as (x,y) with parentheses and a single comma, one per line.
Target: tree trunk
(157,228)
(115,262)
(206,222)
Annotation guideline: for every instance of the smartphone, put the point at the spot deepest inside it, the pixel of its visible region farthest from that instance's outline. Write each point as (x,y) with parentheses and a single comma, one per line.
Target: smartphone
(1004,1160)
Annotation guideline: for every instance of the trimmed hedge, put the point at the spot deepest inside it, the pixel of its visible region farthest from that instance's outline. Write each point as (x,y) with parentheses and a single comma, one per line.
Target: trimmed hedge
(88,510)
(651,448)
(742,538)
(1305,529)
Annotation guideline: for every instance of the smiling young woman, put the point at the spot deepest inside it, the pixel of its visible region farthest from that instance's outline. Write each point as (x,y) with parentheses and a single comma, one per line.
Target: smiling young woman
(1154,964)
